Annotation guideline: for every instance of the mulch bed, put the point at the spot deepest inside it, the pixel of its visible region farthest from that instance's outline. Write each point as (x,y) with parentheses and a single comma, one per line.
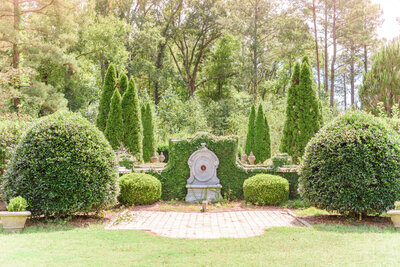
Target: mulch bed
(380,222)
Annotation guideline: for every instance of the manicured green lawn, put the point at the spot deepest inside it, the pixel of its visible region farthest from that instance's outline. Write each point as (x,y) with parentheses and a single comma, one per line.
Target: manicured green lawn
(94,246)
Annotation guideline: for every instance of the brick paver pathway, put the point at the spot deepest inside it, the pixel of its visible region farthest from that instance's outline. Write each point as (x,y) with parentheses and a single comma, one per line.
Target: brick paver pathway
(234,224)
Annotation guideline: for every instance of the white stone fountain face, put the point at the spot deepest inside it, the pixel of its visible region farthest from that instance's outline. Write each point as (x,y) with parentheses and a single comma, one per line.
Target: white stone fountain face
(203,183)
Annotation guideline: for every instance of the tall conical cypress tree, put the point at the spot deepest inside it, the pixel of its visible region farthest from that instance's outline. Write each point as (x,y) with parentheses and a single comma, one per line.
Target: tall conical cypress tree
(132,119)
(290,129)
(261,146)
(108,90)
(267,138)
(148,134)
(307,109)
(249,147)
(114,128)
(123,84)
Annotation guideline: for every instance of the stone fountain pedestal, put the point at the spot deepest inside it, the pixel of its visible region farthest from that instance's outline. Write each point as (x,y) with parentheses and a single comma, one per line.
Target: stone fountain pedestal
(203,183)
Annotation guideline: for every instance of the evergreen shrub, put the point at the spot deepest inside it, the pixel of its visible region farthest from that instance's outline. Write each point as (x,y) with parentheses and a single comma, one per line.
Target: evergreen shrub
(11,132)
(132,121)
(62,166)
(114,128)
(17,204)
(105,100)
(148,134)
(352,166)
(139,189)
(266,189)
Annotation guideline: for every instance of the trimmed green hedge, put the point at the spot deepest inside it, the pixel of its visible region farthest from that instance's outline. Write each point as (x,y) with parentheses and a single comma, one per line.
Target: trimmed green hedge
(352,166)
(62,166)
(231,173)
(139,189)
(266,189)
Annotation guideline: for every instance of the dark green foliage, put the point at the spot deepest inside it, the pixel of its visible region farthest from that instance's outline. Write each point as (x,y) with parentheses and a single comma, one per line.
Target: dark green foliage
(139,189)
(108,91)
(230,172)
(123,84)
(303,113)
(249,147)
(17,204)
(267,137)
(164,149)
(148,134)
(262,142)
(307,110)
(114,129)
(352,166)
(63,165)
(266,189)
(11,132)
(132,120)
(290,128)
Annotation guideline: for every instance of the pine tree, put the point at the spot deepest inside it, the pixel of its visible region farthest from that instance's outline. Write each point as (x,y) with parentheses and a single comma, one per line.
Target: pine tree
(262,149)
(108,90)
(290,129)
(148,134)
(250,132)
(308,111)
(132,119)
(123,84)
(114,128)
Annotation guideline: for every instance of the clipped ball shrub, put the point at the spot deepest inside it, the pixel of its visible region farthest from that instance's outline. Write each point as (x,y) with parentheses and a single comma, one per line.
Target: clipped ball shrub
(352,166)
(139,189)
(266,189)
(63,165)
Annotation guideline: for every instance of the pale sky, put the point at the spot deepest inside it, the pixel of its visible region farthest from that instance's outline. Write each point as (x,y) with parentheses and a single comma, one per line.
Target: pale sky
(391,10)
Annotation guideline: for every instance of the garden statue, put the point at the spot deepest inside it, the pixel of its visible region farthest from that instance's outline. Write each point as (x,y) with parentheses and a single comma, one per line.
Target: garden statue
(154,158)
(251,158)
(203,183)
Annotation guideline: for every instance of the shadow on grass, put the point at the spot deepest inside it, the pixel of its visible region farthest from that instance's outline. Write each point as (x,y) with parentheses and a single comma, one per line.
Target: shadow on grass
(51,225)
(354,228)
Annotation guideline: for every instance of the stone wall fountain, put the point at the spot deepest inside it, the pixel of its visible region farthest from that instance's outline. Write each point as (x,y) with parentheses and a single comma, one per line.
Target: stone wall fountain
(203,183)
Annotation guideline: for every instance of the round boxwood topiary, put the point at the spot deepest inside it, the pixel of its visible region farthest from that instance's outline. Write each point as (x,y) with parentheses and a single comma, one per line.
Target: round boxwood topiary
(352,166)
(139,189)
(63,165)
(266,189)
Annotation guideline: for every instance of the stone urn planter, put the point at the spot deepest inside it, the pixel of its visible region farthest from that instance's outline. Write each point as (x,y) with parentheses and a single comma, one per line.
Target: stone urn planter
(243,158)
(14,219)
(161,158)
(154,158)
(395,215)
(251,158)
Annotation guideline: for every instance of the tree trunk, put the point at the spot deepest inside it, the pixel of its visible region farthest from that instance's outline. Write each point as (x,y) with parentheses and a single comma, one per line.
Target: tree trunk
(334,54)
(316,45)
(15,61)
(326,48)
(159,67)
(352,76)
(365,58)
(255,54)
(344,91)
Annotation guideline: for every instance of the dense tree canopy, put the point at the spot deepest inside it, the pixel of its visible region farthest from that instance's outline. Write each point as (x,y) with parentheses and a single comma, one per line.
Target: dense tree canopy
(200,64)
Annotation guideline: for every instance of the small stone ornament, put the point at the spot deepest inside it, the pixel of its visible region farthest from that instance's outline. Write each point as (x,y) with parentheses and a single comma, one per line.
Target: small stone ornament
(251,158)
(154,158)
(161,158)
(243,157)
